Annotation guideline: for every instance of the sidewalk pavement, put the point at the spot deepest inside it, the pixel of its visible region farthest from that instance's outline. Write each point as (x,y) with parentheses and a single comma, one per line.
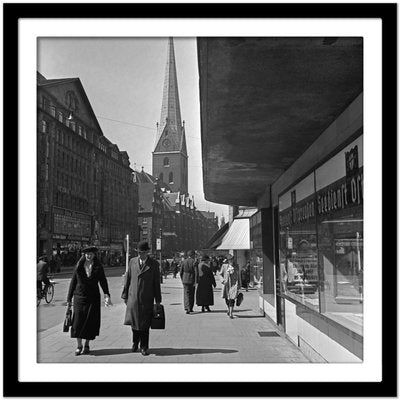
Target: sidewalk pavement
(210,337)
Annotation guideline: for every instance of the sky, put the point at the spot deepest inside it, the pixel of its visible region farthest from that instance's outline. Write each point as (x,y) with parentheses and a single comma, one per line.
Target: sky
(123,79)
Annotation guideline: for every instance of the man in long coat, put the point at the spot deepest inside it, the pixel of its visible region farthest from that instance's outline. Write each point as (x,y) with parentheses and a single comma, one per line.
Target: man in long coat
(141,289)
(189,279)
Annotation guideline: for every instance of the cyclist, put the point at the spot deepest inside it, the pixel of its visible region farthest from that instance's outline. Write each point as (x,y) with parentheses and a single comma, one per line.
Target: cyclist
(42,270)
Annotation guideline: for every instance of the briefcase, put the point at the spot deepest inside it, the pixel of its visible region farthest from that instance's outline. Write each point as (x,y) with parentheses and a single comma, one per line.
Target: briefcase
(158,319)
(67,320)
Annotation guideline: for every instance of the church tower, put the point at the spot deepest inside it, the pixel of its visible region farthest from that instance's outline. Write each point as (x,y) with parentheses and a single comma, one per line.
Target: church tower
(170,159)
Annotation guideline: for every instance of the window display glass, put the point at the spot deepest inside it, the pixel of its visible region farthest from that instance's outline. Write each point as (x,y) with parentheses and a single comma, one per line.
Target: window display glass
(256,254)
(298,244)
(321,239)
(339,184)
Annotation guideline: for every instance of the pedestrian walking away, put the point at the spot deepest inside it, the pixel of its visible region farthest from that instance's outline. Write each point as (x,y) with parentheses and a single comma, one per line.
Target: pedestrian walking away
(245,276)
(188,275)
(85,293)
(141,289)
(205,284)
(230,278)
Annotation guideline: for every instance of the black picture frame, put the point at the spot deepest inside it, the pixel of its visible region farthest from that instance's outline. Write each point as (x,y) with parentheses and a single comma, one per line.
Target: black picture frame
(13,387)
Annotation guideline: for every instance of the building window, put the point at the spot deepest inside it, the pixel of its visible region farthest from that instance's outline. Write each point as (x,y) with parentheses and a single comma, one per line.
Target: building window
(339,206)
(161,177)
(171,178)
(79,130)
(45,103)
(44,126)
(60,116)
(321,239)
(166,162)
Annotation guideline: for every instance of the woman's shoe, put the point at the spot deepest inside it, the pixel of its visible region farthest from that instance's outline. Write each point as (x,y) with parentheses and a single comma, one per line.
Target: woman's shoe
(202,309)
(86,350)
(208,309)
(78,351)
(231,316)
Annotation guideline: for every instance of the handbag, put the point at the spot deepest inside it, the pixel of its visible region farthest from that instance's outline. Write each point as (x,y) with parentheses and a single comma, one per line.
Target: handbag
(67,320)
(239,299)
(158,317)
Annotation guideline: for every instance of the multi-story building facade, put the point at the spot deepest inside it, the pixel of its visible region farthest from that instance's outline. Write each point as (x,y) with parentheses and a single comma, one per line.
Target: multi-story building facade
(86,193)
(172,217)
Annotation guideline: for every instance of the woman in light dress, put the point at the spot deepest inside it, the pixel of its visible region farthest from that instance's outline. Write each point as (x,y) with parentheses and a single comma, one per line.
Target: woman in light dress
(230,278)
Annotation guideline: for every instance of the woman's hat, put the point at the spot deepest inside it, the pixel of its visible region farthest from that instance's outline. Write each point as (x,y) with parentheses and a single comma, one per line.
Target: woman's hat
(143,246)
(90,249)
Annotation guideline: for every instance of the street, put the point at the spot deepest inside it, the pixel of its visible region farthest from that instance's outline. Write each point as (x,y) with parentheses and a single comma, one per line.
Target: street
(198,337)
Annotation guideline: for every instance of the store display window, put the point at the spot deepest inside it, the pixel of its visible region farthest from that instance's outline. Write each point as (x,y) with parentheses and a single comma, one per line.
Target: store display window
(339,194)
(256,253)
(298,244)
(321,239)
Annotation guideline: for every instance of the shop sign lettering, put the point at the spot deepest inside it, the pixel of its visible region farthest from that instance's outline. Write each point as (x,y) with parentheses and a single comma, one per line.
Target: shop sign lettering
(345,193)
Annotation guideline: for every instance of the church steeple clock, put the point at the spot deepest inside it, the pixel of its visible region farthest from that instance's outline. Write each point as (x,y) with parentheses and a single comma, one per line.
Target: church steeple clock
(170,159)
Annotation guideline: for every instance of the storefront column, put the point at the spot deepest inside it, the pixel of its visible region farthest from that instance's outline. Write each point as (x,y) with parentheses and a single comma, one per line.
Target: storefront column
(268,254)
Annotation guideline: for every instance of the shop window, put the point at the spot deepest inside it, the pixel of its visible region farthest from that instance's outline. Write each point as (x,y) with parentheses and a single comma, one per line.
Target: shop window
(326,208)
(298,244)
(339,185)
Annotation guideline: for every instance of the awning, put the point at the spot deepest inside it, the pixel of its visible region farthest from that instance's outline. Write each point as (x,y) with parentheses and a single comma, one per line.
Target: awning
(217,238)
(238,236)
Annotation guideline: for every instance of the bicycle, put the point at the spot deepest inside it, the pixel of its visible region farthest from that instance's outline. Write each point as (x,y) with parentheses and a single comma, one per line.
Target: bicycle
(47,293)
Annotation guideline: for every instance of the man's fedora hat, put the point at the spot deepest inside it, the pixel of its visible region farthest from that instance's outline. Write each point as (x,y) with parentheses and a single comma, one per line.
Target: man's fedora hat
(143,246)
(190,253)
(90,249)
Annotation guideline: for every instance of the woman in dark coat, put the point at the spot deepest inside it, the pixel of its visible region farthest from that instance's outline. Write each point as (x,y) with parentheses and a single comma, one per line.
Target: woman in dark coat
(84,290)
(206,282)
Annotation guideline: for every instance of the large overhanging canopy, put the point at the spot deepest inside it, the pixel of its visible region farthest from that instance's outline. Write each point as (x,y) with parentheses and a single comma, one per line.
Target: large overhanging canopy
(238,236)
(264,101)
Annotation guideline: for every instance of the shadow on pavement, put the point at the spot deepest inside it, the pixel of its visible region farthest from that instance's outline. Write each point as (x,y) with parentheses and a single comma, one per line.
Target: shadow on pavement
(168,351)
(109,352)
(250,316)
(219,311)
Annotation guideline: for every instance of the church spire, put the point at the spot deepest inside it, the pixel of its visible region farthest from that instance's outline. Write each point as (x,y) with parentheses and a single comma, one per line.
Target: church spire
(170,109)
(170,152)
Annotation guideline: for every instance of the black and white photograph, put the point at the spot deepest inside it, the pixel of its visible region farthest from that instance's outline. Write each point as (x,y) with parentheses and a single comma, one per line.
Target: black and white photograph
(118,195)
(196,200)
